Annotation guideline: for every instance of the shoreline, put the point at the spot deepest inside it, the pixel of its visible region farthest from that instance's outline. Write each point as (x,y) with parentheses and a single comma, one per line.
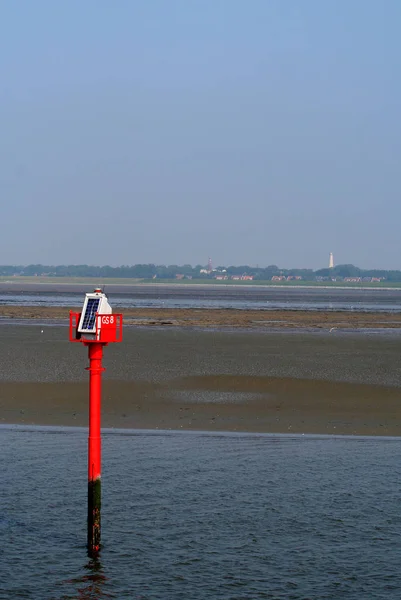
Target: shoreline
(155,432)
(221,318)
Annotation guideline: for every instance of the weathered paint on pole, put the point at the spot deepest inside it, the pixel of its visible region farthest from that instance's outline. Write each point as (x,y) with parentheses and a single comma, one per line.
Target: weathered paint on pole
(95,351)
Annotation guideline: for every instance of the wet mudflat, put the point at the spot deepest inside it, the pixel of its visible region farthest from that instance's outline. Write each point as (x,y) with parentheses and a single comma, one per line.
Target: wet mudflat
(301,382)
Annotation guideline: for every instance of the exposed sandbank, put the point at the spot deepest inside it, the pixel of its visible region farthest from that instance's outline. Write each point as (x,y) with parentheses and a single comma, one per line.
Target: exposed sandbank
(224,318)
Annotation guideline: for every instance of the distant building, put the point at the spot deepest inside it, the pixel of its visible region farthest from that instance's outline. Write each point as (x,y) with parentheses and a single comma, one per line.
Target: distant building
(243,277)
(373,279)
(279,278)
(179,276)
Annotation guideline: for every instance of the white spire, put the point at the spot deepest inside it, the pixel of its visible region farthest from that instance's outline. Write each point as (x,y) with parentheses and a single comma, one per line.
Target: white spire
(331,261)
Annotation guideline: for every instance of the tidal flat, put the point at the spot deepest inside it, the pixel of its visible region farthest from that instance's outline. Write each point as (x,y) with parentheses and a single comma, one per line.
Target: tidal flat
(288,381)
(223,318)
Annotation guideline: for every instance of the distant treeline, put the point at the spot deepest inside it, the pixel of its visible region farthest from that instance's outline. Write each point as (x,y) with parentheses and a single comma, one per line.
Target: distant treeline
(151,271)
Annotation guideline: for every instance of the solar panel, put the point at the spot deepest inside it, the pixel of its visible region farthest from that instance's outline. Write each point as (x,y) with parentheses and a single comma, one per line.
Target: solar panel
(88,322)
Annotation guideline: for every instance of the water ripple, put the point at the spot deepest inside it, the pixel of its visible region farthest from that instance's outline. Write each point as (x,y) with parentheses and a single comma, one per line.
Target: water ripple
(201,516)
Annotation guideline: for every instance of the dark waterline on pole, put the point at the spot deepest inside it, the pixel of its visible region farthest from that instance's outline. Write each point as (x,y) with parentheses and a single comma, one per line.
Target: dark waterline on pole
(94,512)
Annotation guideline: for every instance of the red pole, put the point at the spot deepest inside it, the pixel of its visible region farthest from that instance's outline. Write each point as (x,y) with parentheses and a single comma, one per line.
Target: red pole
(95,351)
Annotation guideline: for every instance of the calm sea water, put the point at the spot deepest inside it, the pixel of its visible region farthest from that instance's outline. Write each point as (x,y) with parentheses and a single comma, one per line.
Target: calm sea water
(251,297)
(201,516)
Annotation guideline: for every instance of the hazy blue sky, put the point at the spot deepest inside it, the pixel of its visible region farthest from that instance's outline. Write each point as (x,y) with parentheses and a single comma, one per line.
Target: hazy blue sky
(252,131)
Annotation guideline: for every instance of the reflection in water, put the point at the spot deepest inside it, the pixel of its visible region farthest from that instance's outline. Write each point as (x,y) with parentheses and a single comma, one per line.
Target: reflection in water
(90,585)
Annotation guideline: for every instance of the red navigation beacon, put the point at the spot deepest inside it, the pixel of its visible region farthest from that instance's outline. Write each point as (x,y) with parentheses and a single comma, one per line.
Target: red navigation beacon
(95,327)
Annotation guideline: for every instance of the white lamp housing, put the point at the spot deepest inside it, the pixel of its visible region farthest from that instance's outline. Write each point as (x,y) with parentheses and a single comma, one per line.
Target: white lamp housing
(94,303)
